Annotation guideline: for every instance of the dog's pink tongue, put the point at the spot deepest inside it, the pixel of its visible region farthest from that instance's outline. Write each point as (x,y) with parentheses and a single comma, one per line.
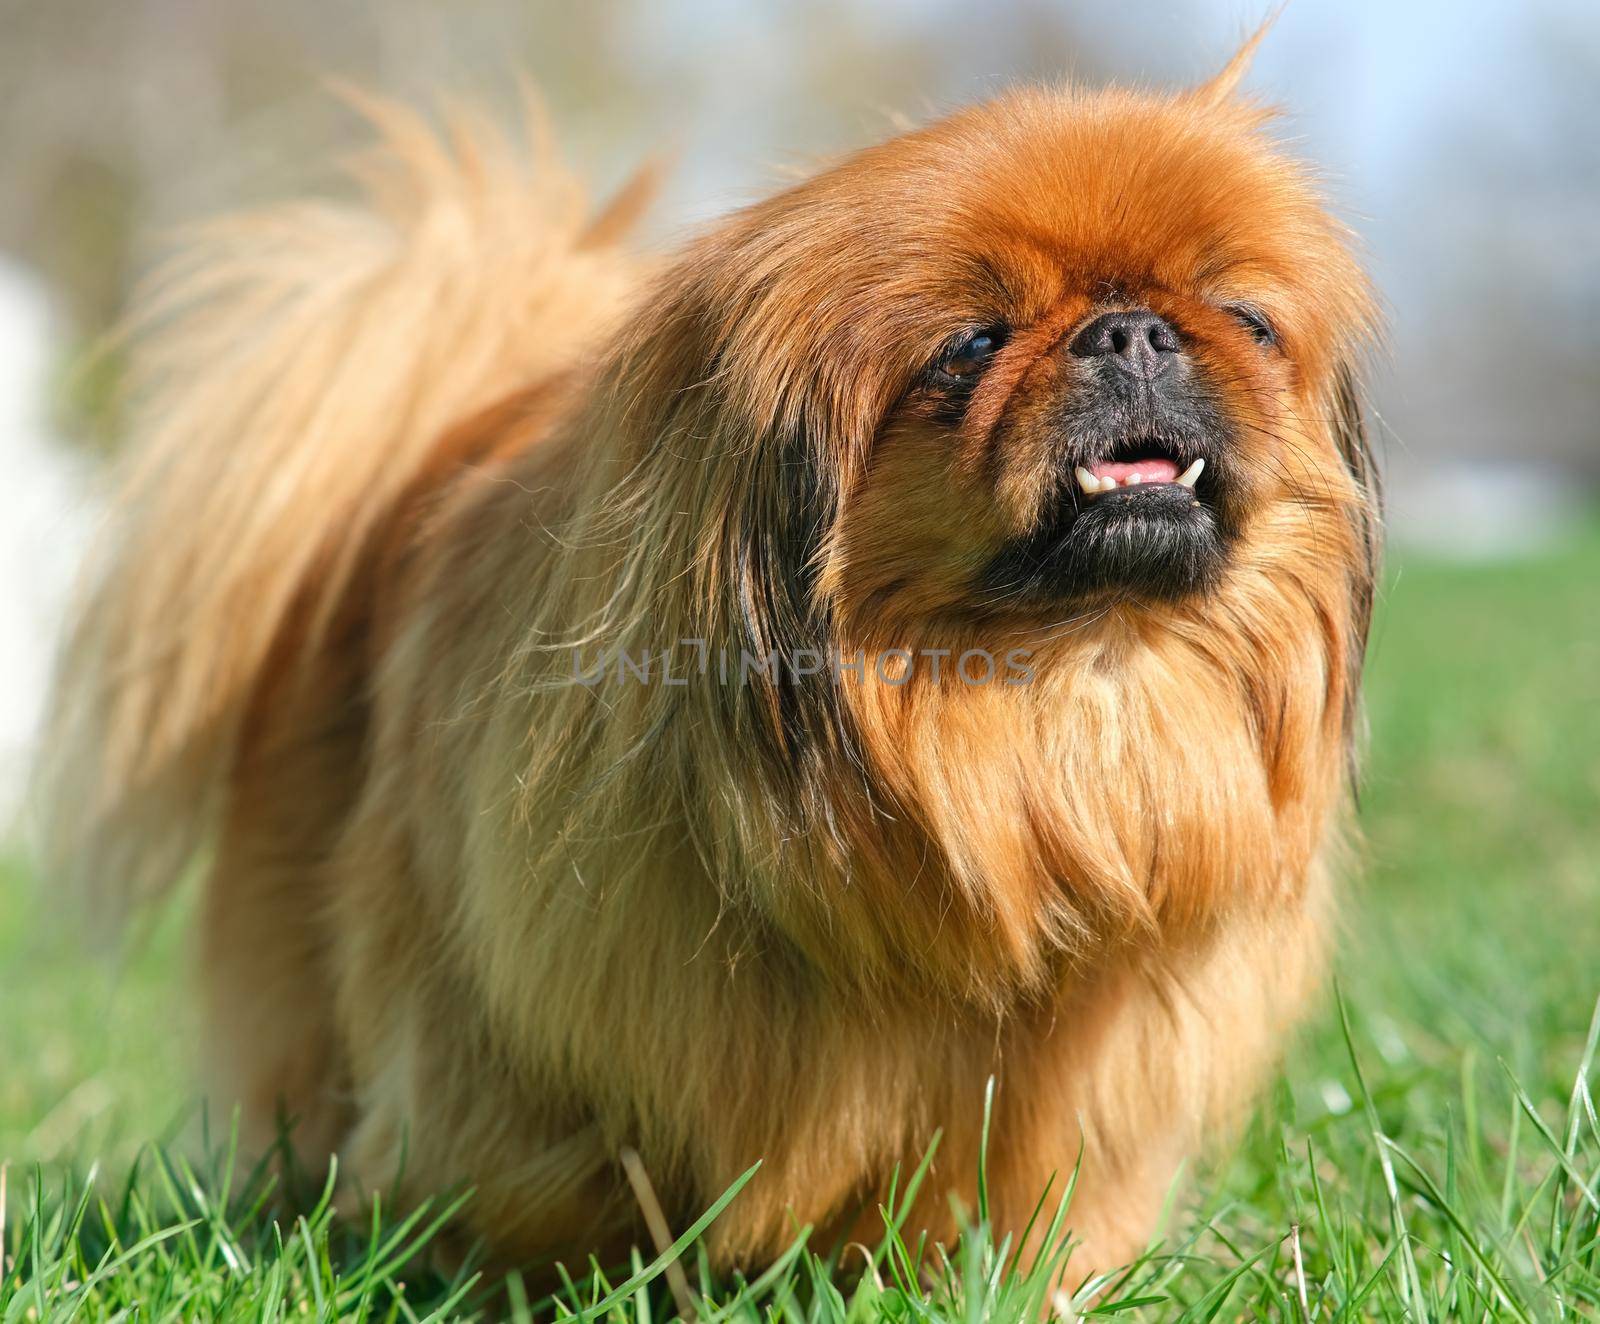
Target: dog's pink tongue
(1149,471)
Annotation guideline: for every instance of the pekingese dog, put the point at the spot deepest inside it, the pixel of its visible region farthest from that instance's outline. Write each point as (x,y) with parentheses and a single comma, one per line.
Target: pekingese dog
(729,707)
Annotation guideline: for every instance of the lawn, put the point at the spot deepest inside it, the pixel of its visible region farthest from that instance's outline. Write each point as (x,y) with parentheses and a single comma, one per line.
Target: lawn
(1431,1149)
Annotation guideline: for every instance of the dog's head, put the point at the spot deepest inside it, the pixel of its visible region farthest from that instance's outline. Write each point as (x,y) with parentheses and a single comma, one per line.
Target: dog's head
(1125,329)
(1057,350)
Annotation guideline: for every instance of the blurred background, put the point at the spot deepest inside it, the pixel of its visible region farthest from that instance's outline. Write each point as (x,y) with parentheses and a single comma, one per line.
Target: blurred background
(1458,140)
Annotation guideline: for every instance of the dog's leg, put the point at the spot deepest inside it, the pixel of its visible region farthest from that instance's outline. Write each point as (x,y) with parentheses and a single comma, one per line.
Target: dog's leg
(270,1042)
(1134,1078)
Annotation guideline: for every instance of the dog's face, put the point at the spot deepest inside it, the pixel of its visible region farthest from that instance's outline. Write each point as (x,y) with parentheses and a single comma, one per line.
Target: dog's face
(1130,321)
(1052,351)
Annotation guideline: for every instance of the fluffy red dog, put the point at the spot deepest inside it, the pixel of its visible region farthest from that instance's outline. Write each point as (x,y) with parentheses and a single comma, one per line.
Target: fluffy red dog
(1009,480)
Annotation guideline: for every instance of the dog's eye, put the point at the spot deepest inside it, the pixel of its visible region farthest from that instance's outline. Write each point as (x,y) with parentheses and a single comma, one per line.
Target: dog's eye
(1256,322)
(964,360)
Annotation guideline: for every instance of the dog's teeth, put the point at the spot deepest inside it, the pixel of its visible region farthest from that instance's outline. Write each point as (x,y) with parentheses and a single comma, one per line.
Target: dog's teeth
(1108,484)
(1086,480)
(1192,474)
(1133,479)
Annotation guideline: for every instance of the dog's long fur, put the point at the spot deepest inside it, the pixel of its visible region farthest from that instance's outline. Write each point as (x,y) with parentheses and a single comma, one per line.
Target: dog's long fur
(403,457)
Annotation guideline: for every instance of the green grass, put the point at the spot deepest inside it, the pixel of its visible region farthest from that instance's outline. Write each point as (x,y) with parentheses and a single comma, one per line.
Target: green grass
(1430,1150)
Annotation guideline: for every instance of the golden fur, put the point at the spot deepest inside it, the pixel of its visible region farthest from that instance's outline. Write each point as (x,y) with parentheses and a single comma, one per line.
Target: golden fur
(404,457)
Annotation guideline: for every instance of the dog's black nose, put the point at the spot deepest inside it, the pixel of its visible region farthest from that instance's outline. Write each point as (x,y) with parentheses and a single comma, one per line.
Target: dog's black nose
(1138,342)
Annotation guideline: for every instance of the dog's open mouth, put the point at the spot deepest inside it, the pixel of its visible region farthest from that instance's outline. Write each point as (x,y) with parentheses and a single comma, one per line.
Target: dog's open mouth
(1139,465)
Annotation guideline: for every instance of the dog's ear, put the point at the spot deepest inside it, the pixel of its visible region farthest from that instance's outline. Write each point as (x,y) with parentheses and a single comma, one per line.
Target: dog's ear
(772,539)
(1225,85)
(1350,434)
(730,492)
(787,710)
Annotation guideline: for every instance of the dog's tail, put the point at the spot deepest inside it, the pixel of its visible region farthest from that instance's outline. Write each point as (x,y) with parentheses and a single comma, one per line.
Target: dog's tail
(297,367)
